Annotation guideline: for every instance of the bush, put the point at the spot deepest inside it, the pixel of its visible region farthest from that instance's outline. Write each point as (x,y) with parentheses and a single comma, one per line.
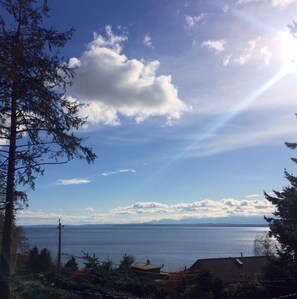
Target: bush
(246,290)
(36,290)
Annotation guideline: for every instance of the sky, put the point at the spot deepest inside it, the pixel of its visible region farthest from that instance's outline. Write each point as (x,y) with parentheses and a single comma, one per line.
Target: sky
(189,106)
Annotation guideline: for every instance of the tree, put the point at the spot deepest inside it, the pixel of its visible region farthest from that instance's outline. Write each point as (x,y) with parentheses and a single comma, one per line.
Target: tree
(19,246)
(126,262)
(91,262)
(70,266)
(32,262)
(283,226)
(264,245)
(37,119)
(45,261)
(38,262)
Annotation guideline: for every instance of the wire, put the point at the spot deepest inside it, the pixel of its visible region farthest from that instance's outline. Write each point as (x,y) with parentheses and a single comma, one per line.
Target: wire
(286,296)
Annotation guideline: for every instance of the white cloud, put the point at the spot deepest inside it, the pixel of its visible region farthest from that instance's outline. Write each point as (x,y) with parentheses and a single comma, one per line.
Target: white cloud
(148,211)
(255,51)
(89,209)
(147,40)
(254,195)
(275,3)
(118,172)
(206,208)
(100,113)
(266,54)
(243,59)
(283,3)
(141,208)
(225,8)
(252,44)
(216,45)
(247,52)
(114,85)
(194,20)
(227,60)
(238,2)
(26,217)
(73,181)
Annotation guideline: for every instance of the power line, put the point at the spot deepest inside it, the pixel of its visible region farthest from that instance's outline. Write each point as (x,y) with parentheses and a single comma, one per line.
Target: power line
(294,295)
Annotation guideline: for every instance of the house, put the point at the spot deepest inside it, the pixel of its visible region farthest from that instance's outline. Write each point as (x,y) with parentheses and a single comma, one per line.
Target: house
(233,269)
(147,269)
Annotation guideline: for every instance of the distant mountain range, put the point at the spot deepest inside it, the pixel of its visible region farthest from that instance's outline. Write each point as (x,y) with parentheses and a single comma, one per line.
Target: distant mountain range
(232,220)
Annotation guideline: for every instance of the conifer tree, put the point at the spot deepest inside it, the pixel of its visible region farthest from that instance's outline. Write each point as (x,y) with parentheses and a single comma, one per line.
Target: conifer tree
(37,120)
(45,261)
(283,226)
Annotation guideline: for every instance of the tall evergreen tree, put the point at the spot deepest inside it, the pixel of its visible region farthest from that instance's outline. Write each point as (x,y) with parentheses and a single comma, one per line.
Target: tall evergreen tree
(45,261)
(32,262)
(283,226)
(37,120)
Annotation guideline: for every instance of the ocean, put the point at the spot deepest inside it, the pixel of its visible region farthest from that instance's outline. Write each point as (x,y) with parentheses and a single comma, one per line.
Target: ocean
(175,246)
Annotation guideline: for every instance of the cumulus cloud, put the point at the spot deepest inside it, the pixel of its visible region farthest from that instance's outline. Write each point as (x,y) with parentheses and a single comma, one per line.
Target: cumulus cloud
(148,211)
(147,40)
(141,208)
(114,85)
(73,181)
(194,20)
(118,172)
(216,45)
(199,209)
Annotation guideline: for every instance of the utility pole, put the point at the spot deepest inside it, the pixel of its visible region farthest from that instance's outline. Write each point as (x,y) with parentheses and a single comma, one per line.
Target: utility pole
(59,246)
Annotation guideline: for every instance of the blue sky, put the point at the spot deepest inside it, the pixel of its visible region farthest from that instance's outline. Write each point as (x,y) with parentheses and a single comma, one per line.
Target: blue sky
(190,103)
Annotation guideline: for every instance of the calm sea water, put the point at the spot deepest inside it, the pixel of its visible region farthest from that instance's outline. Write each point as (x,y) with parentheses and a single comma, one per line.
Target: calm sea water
(175,246)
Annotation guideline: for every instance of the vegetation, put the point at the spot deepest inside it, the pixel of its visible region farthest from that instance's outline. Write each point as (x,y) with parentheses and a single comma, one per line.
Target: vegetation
(283,227)
(126,262)
(37,120)
(264,245)
(194,285)
(95,279)
(246,290)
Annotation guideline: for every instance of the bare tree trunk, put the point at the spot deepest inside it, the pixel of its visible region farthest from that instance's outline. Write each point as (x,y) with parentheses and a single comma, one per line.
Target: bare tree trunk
(5,260)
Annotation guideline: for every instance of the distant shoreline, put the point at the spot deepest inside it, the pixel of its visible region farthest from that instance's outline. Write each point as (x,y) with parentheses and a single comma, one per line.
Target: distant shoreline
(156,225)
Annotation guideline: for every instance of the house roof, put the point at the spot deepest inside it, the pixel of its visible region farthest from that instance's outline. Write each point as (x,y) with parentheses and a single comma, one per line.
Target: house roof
(233,269)
(145,266)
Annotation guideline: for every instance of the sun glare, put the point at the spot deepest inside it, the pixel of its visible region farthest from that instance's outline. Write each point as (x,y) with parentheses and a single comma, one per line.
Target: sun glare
(289,51)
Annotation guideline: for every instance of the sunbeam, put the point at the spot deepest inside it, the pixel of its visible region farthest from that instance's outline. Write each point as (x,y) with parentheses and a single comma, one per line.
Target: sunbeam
(215,127)
(221,122)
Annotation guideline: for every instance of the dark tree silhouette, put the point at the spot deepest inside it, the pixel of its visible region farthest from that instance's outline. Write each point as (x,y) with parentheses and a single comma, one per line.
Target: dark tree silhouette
(37,120)
(126,262)
(45,262)
(283,226)
(32,262)
(70,266)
